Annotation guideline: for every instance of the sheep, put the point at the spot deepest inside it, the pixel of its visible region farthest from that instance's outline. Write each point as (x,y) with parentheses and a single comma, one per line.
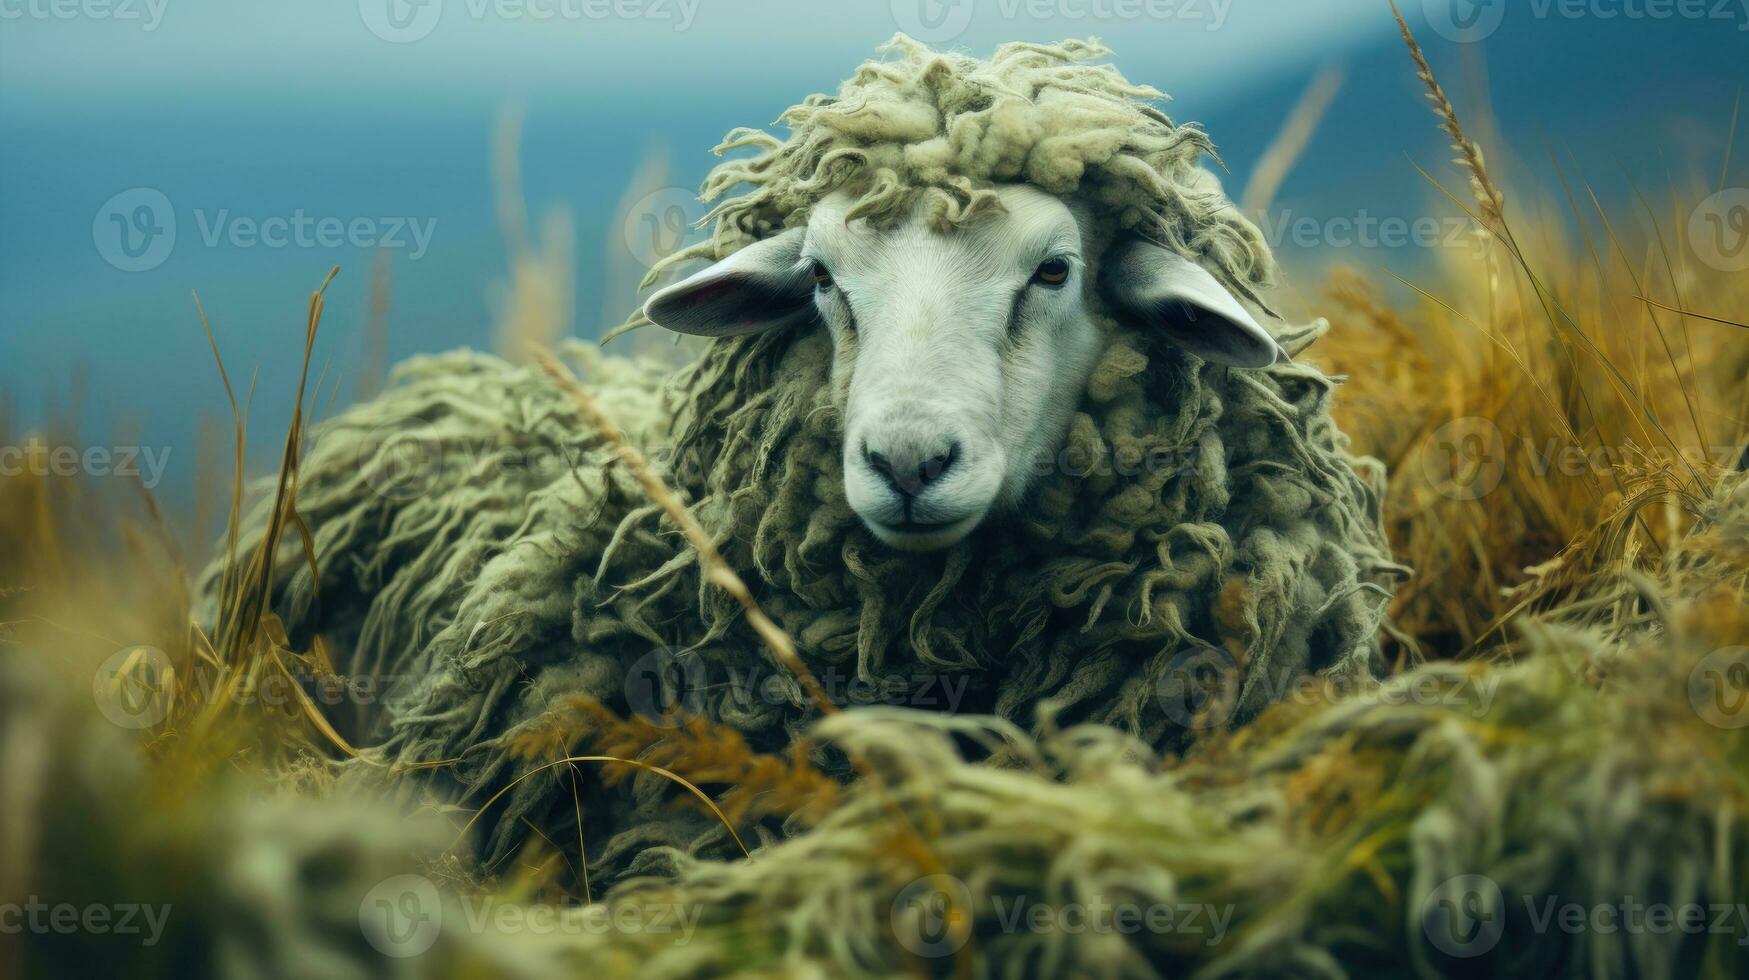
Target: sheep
(987,422)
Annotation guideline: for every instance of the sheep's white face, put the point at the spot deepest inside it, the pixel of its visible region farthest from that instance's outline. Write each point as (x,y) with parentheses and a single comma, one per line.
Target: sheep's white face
(960,354)
(960,357)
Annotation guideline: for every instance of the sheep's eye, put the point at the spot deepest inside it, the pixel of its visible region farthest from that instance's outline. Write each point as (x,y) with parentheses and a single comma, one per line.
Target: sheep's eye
(822,278)
(1052,272)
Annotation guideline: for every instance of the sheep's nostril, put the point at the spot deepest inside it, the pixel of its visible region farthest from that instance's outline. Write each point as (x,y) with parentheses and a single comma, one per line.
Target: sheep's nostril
(908,475)
(935,467)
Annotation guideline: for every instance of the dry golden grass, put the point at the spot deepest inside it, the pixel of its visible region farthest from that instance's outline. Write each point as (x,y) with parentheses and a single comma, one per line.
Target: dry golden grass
(534,305)
(757,785)
(1547,414)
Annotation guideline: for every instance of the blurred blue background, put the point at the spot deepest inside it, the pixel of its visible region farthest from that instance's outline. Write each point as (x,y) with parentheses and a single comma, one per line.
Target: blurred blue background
(370,118)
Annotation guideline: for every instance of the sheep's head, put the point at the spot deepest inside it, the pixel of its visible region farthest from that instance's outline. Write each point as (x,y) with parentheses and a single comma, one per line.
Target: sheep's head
(961,352)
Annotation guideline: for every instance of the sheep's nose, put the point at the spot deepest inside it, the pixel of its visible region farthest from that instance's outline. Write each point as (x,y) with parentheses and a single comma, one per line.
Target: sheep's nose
(909,472)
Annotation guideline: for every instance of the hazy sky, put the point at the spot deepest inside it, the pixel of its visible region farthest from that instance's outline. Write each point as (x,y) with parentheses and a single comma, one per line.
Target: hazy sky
(68,51)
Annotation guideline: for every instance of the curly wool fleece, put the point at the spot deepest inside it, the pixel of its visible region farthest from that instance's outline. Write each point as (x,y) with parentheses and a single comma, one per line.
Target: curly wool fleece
(1201,518)
(945,127)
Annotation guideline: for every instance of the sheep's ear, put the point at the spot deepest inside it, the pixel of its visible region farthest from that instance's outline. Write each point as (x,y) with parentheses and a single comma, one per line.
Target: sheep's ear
(764,285)
(1195,311)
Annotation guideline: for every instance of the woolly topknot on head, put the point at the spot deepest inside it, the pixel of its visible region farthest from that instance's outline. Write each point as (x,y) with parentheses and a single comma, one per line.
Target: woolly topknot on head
(945,127)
